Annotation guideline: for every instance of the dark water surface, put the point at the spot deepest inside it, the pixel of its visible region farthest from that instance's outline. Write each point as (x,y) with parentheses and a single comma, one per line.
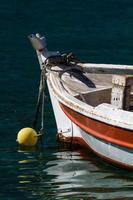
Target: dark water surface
(96,31)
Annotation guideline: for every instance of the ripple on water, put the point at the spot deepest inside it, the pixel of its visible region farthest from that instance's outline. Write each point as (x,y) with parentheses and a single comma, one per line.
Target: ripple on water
(61,174)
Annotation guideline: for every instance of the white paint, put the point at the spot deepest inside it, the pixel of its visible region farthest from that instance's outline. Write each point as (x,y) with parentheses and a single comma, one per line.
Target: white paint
(106,67)
(114,152)
(64,125)
(117,96)
(104,112)
(107,111)
(69,129)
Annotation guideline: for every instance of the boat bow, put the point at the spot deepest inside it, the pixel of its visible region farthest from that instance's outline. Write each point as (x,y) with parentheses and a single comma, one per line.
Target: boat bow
(88,107)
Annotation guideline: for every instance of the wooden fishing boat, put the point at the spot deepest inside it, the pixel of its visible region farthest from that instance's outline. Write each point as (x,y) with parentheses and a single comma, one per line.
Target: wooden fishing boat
(92,103)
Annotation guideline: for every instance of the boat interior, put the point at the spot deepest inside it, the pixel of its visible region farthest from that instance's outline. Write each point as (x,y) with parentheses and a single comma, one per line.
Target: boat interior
(95,89)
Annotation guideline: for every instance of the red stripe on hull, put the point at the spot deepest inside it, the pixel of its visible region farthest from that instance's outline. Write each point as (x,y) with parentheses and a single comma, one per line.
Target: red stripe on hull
(101,130)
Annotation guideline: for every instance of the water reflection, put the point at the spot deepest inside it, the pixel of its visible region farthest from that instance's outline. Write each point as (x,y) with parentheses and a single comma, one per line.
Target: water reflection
(65,174)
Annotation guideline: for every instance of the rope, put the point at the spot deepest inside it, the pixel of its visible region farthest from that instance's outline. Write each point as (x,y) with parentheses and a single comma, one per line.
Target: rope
(40,104)
(65,83)
(66,59)
(70,61)
(41,131)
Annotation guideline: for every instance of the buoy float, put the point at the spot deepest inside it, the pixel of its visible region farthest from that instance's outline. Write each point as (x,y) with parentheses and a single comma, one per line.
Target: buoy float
(27,137)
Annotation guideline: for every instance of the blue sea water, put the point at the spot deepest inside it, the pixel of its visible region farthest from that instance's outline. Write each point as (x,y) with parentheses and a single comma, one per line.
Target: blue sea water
(96,31)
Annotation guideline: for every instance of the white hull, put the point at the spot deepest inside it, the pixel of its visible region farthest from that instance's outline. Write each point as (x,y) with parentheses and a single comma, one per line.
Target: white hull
(64,124)
(90,109)
(113,153)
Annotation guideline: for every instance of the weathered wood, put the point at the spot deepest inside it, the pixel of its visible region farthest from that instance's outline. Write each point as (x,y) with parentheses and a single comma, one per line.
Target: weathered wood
(121,91)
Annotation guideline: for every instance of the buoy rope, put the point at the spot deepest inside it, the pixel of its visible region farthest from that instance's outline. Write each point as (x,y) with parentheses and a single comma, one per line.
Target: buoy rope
(41,131)
(42,106)
(40,102)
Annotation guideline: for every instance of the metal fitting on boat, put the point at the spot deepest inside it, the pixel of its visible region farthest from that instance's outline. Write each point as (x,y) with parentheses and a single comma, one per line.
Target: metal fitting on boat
(38,42)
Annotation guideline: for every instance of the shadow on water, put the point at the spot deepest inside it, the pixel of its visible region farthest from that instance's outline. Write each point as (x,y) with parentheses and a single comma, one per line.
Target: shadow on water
(58,172)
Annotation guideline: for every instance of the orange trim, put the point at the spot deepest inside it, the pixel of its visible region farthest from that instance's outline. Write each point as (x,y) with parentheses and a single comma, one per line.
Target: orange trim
(101,130)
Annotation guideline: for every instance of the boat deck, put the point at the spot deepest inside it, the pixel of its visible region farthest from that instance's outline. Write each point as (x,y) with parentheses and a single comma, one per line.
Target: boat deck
(93,89)
(77,83)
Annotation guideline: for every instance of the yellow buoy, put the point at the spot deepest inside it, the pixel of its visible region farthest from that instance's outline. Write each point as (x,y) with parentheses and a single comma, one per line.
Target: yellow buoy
(27,137)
